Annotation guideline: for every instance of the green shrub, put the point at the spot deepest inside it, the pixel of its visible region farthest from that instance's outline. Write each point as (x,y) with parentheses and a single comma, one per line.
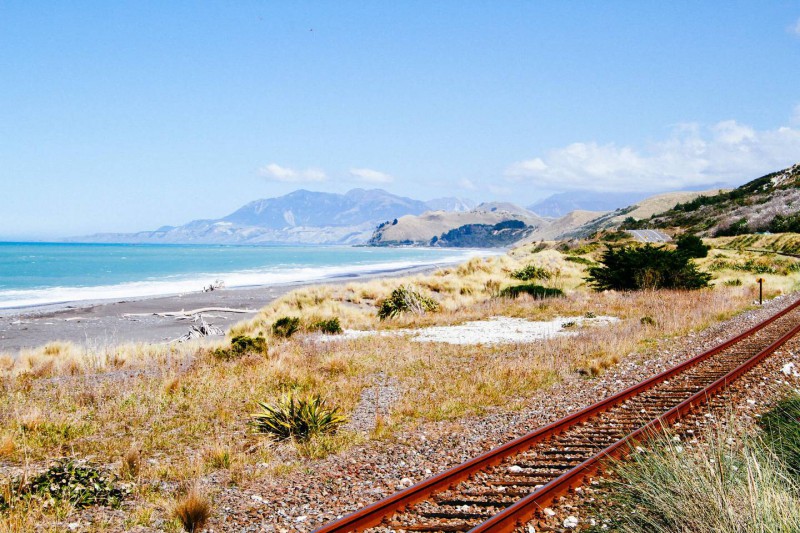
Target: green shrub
(404,299)
(240,345)
(647,320)
(297,418)
(285,326)
(645,267)
(537,291)
(580,260)
(735,282)
(330,326)
(692,246)
(81,485)
(530,272)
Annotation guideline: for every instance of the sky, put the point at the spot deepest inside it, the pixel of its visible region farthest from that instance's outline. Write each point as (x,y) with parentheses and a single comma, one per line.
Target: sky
(126,116)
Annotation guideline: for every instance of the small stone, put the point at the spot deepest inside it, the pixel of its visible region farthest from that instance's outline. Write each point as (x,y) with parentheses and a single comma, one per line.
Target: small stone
(549,512)
(571,522)
(515,469)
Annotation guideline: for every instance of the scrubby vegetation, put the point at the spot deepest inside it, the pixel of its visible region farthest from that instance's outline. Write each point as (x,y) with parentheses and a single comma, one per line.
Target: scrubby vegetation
(646,267)
(536,291)
(286,326)
(330,326)
(297,418)
(406,300)
(240,345)
(66,481)
(531,272)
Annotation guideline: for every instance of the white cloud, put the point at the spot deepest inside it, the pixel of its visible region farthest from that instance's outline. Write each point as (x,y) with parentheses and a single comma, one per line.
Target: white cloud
(275,172)
(795,28)
(370,176)
(692,156)
(467,184)
(499,190)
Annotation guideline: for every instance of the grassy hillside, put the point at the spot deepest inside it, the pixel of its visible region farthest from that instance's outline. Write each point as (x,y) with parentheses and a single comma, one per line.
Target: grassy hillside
(769,203)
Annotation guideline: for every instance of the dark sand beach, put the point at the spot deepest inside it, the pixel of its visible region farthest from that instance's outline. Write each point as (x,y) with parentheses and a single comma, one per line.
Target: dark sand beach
(111,323)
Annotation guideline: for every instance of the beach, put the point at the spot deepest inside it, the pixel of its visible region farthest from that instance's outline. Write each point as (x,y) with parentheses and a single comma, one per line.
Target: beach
(115,322)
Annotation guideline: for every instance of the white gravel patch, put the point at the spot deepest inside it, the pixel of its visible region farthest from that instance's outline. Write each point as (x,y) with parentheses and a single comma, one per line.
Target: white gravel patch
(495,330)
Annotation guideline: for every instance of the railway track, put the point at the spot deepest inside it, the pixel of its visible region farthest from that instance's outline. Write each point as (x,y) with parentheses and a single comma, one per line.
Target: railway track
(510,485)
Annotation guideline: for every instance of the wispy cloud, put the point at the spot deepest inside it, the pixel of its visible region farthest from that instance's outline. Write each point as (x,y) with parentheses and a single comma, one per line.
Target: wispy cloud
(275,172)
(795,28)
(467,184)
(692,156)
(370,176)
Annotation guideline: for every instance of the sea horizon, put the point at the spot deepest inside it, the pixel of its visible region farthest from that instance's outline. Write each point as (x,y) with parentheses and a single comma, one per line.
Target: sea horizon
(36,274)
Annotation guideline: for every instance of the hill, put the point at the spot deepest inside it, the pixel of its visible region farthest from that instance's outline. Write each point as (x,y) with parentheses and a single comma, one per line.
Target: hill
(462,228)
(769,203)
(643,209)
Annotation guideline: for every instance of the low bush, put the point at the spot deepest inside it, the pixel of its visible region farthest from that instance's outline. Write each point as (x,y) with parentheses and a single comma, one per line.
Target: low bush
(405,299)
(579,260)
(79,484)
(297,418)
(537,291)
(330,326)
(286,326)
(240,345)
(647,320)
(530,272)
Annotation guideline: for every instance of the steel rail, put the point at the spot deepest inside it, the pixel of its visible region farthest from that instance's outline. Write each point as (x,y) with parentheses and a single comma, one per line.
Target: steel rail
(373,514)
(527,508)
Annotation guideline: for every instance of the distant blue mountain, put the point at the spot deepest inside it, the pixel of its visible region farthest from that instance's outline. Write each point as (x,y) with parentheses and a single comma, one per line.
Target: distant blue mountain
(560,204)
(298,217)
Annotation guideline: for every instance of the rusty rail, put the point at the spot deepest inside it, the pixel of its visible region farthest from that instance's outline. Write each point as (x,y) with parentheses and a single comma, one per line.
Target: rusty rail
(373,514)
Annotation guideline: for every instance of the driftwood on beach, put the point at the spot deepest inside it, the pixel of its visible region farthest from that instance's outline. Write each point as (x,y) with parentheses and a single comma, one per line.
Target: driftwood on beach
(197,331)
(189,314)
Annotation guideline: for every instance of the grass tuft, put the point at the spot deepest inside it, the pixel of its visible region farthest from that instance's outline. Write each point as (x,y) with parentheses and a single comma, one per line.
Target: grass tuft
(193,510)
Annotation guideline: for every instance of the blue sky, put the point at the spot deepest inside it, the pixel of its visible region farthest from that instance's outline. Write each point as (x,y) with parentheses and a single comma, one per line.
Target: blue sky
(127,116)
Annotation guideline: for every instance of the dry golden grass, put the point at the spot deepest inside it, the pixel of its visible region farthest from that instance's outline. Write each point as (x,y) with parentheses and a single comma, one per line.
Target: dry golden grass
(187,412)
(193,510)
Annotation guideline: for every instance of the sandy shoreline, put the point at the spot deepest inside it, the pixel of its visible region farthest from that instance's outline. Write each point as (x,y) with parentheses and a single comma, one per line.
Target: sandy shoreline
(104,323)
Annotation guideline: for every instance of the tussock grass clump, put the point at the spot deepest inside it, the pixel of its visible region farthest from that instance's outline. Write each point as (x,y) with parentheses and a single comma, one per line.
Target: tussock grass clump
(298,418)
(193,510)
(537,291)
(286,326)
(530,272)
(727,482)
(131,463)
(781,433)
(405,299)
(79,484)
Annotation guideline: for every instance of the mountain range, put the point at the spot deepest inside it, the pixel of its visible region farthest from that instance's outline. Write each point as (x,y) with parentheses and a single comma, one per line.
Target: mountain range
(300,217)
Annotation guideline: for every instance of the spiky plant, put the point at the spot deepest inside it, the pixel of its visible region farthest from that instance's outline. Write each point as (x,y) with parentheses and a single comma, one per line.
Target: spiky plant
(297,418)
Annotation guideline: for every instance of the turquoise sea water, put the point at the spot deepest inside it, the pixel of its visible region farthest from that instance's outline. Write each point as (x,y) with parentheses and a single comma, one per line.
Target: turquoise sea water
(34,274)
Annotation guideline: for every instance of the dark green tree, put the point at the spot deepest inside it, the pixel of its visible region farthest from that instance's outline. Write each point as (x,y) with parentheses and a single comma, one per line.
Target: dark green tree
(645,267)
(691,246)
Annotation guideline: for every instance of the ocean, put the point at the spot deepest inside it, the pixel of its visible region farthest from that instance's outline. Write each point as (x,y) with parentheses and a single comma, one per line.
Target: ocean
(36,274)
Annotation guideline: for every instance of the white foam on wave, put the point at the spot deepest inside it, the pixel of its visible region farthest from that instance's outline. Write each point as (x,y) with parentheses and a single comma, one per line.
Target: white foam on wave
(12,299)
